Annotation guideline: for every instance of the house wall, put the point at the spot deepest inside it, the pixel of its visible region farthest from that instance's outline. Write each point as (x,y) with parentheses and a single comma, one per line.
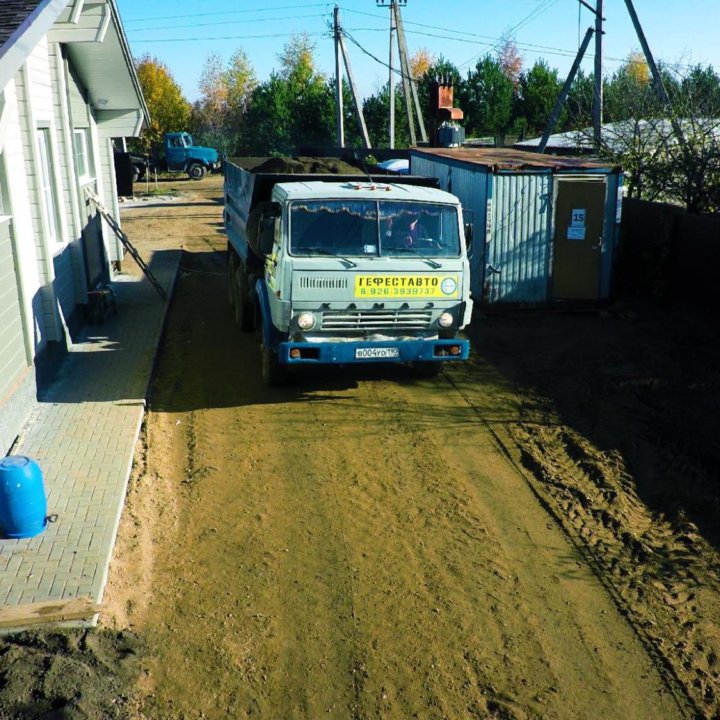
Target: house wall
(107,178)
(42,280)
(44,275)
(16,380)
(35,111)
(20,329)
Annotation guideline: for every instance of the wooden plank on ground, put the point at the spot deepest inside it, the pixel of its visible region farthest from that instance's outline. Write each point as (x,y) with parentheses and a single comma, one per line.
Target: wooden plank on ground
(49,611)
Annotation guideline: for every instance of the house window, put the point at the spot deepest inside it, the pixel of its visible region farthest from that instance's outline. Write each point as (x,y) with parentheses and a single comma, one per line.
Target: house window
(82,153)
(46,184)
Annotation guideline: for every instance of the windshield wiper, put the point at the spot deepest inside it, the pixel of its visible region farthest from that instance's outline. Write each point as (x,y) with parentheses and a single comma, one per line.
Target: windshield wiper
(431,263)
(320,252)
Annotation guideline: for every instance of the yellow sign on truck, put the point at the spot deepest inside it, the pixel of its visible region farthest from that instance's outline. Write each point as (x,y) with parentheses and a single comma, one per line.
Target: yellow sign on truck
(407,286)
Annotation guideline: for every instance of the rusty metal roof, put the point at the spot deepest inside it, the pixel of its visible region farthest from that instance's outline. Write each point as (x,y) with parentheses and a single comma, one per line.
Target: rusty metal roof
(509,159)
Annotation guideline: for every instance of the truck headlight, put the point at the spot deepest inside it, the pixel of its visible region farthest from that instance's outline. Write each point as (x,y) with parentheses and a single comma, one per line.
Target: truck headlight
(446,320)
(306,321)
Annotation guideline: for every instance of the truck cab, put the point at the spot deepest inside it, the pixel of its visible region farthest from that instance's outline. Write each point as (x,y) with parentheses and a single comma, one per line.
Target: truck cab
(182,156)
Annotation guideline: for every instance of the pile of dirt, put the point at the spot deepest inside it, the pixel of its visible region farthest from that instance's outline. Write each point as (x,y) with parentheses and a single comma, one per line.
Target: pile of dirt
(307,166)
(79,674)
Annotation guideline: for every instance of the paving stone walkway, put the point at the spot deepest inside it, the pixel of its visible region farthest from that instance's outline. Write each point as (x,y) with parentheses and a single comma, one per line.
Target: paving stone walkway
(82,431)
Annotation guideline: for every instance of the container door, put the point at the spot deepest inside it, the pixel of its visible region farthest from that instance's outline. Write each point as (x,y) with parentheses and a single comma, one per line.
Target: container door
(579,221)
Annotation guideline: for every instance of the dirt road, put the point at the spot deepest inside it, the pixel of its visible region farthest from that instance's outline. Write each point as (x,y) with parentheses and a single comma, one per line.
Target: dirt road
(362,544)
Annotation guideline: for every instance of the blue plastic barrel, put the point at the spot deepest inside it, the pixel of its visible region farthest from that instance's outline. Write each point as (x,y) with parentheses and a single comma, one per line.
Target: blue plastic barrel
(23,507)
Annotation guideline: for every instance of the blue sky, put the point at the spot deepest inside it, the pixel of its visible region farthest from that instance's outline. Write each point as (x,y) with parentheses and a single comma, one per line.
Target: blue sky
(181,33)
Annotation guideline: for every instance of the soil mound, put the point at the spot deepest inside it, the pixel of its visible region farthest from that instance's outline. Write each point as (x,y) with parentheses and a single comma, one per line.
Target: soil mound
(307,165)
(81,674)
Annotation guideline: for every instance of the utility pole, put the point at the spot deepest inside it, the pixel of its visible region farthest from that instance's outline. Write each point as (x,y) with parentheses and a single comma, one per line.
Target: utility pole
(565,91)
(598,92)
(340,130)
(391,88)
(355,94)
(409,82)
(405,73)
(657,79)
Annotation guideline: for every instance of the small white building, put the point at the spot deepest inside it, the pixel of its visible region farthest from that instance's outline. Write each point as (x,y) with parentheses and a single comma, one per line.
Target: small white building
(67,86)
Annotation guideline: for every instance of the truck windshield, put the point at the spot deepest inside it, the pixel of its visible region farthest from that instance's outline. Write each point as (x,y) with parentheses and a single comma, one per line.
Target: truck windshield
(372,228)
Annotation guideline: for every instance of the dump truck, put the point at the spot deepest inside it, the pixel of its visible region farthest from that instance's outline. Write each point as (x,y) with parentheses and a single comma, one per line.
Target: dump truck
(177,154)
(337,267)
(181,155)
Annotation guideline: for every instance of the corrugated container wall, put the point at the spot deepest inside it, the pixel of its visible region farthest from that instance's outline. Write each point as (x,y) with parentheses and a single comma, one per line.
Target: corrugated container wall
(470,187)
(514,223)
(518,239)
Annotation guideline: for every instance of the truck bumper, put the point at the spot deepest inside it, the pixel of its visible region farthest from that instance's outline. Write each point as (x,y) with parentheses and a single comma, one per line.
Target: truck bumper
(406,351)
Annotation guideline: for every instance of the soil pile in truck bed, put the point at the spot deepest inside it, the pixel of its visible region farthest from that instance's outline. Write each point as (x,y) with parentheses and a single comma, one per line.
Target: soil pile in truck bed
(305,166)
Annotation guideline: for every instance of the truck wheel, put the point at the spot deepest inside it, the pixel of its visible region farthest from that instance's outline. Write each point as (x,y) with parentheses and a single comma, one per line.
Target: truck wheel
(244,309)
(196,171)
(427,369)
(135,173)
(273,373)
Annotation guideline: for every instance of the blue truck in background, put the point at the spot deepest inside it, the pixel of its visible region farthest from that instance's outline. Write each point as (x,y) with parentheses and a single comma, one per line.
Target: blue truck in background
(341,269)
(178,155)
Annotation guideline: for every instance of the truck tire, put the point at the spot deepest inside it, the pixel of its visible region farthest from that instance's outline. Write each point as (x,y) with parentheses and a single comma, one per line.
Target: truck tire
(244,308)
(196,171)
(273,373)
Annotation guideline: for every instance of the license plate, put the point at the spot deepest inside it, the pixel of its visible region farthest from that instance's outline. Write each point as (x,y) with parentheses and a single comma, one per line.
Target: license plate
(367,353)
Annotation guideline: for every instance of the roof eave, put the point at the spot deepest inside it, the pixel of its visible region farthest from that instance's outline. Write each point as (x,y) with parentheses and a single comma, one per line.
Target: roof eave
(29,33)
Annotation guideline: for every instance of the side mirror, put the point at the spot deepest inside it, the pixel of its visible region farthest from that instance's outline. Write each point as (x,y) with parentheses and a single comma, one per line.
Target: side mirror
(469,238)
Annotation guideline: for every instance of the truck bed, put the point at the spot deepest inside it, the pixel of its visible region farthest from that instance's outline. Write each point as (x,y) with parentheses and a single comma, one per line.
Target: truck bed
(240,171)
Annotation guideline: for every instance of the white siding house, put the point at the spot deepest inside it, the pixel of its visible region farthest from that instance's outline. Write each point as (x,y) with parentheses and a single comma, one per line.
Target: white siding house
(67,86)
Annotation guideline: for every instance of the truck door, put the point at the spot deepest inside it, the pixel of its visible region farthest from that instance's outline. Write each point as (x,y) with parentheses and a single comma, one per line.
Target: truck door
(175,152)
(579,222)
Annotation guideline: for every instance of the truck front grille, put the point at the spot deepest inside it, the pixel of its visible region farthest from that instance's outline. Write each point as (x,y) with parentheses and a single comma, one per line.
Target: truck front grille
(323,283)
(376,320)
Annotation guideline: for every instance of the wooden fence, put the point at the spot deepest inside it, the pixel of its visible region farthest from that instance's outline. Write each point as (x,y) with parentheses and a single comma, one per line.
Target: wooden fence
(668,255)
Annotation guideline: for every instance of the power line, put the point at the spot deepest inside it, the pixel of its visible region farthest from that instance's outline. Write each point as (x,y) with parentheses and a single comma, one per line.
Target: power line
(230,12)
(543,7)
(227,37)
(487,41)
(227,22)
(527,47)
(492,39)
(369,54)
(539,10)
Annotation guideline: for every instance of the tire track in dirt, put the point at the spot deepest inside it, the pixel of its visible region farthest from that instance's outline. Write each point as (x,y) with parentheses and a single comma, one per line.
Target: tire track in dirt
(513,518)
(662,577)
